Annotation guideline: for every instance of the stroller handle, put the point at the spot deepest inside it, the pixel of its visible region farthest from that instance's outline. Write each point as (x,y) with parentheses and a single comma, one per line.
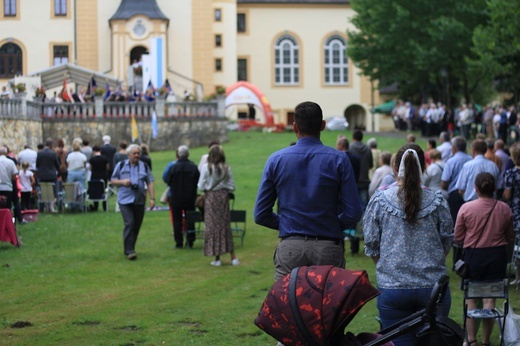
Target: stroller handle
(437,296)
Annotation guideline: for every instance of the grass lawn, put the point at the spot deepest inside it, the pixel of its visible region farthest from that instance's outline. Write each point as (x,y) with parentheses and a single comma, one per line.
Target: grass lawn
(71,281)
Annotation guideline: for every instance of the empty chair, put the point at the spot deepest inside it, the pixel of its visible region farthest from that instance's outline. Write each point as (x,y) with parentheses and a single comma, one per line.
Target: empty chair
(238,224)
(194,223)
(74,196)
(46,196)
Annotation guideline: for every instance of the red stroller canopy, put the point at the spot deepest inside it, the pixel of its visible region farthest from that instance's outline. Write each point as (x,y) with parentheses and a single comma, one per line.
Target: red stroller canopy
(313,305)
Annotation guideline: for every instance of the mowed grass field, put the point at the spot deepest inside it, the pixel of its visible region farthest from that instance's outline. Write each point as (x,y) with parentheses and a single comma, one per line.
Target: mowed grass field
(72,284)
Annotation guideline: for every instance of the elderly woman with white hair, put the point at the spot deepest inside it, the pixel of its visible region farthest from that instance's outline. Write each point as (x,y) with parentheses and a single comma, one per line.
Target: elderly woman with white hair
(408,233)
(133,179)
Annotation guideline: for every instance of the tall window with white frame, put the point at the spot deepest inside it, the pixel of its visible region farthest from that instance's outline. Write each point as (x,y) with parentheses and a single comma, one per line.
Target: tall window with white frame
(336,61)
(60,7)
(9,8)
(61,55)
(286,61)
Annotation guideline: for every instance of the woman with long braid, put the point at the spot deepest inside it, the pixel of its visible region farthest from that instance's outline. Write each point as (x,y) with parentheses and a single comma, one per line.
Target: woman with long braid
(408,233)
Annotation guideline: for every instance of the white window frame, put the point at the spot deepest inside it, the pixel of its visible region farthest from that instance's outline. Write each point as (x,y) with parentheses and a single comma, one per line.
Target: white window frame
(286,61)
(336,71)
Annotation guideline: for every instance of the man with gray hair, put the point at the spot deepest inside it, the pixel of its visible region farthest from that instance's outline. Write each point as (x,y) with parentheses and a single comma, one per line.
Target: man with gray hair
(133,179)
(108,150)
(182,179)
(445,146)
(8,172)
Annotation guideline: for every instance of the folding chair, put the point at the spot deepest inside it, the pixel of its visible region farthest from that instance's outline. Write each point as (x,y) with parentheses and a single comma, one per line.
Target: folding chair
(74,196)
(46,195)
(194,218)
(96,192)
(482,290)
(238,224)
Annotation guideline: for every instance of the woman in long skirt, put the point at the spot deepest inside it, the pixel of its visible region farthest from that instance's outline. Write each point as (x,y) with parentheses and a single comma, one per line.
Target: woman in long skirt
(216,181)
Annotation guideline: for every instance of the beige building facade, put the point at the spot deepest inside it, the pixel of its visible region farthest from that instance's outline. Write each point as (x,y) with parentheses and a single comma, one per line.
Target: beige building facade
(292,51)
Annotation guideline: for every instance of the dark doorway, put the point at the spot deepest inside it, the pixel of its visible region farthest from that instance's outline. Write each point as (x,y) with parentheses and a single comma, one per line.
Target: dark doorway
(136,52)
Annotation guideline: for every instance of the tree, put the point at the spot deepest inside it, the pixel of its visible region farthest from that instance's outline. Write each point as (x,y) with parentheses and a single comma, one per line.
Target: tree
(497,44)
(421,45)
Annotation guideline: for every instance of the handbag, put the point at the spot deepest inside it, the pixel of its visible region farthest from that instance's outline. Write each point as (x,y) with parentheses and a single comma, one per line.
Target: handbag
(164,196)
(200,199)
(461,269)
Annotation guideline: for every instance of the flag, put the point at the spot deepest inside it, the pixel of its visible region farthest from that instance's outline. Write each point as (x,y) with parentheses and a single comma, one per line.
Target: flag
(107,91)
(167,85)
(118,88)
(65,96)
(155,129)
(94,84)
(150,85)
(135,133)
(89,91)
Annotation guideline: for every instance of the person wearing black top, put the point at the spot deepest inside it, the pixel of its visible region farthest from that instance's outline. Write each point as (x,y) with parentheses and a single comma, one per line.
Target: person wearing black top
(182,179)
(99,166)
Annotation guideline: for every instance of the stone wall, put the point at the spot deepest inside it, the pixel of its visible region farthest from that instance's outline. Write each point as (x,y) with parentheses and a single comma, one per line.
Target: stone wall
(171,132)
(16,133)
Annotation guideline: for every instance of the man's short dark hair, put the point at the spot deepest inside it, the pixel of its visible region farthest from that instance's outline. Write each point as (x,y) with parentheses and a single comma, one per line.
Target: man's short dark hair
(357,135)
(308,117)
(479,146)
(96,148)
(49,142)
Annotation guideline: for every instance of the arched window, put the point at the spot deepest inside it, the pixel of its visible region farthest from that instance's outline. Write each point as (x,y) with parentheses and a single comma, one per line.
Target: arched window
(336,61)
(10,61)
(286,61)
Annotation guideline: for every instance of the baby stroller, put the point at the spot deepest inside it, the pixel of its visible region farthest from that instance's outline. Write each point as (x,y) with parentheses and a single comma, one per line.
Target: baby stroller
(313,305)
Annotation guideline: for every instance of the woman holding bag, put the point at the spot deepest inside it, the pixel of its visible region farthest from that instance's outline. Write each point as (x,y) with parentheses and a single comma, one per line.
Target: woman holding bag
(484,227)
(216,181)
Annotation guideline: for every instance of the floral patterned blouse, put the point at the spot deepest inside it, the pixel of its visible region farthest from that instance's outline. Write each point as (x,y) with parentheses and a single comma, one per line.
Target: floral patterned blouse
(512,181)
(411,255)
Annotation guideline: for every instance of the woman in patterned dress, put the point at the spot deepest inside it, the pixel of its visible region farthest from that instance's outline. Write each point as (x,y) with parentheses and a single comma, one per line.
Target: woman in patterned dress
(216,181)
(408,233)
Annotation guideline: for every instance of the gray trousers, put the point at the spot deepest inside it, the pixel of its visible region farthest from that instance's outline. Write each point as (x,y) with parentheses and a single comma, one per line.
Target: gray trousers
(133,215)
(292,253)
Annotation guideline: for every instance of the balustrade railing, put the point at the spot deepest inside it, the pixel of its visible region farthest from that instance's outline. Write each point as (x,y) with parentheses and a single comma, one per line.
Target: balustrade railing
(20,108)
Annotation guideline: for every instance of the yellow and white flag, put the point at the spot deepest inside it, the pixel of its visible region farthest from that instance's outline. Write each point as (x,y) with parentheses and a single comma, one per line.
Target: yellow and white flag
(135,133)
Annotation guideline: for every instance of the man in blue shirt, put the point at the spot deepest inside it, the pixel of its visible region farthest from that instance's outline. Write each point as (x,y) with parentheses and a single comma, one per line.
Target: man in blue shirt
(451,172)
(470,170)
(317,197)
(133,178)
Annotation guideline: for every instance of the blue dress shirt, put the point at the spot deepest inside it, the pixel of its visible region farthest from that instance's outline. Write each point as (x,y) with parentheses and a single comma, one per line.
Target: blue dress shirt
(452,169)
(315,188)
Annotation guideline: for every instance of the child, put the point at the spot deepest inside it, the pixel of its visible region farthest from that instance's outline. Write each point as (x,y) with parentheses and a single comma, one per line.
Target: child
(27,181)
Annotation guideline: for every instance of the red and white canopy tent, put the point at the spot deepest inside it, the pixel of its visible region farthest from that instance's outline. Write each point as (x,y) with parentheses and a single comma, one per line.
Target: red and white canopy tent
(244,93)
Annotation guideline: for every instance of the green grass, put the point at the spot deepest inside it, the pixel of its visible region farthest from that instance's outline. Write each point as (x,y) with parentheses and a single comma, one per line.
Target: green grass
(72,282)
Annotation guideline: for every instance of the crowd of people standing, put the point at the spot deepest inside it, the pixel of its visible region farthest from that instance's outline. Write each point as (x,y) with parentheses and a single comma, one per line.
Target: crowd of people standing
(467,120)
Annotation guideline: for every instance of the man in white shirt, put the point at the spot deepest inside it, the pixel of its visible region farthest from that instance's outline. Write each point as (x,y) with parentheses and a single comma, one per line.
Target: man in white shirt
(8,172)
(28,155)
(445,146)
